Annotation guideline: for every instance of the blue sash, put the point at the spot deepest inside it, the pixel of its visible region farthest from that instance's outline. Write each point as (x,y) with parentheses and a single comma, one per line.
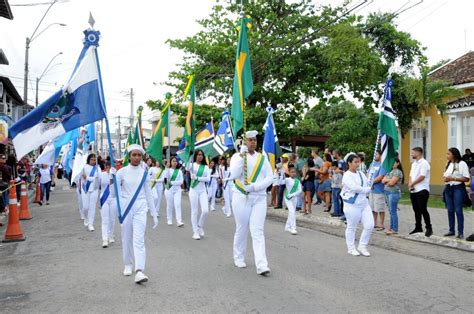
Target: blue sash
(134,198)
(105,195)
(88,184)
(225,185)
(352,200)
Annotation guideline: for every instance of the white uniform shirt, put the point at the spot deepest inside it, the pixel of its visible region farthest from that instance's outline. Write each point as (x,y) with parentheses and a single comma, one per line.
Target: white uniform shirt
(94,185)
(128,180)
(193,168)
(420,168)
(457,170)
(175,186)
(105,179)
(355,183)
(289,183)
(263,180)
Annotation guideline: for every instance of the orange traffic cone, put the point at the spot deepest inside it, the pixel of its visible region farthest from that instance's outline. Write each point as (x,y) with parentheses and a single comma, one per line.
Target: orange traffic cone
(13,232)
(38,192)
(24,212)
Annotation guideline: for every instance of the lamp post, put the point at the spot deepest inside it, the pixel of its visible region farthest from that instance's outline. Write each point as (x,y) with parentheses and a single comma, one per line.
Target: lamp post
(27,48)
(46,69)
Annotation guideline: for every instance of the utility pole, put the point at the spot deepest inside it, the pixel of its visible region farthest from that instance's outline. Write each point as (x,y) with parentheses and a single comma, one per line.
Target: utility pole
(131,107)
(102,136)
(119,140)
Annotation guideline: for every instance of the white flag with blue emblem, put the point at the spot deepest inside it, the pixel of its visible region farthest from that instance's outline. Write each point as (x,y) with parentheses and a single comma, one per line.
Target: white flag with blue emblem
(78,103)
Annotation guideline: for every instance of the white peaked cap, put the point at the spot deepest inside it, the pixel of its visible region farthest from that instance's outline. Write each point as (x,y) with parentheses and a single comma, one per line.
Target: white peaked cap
(347,156)
(251,134)
(133,147)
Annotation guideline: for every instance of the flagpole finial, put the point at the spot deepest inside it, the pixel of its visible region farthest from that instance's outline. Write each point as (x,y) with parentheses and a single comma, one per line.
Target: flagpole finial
(91,20)
(140,109)
(168,95)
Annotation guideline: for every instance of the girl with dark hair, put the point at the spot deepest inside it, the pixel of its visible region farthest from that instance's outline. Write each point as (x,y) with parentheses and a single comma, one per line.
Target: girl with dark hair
(197,193)
(174,179)
(108,205)
(308,185)
(393,182)
(455,177)
(90,190)
(355,190)
(324,189)
(157,178)
(212,184)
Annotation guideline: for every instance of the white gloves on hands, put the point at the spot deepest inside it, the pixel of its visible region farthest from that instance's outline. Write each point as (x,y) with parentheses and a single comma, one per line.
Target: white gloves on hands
(193,176)
(249,188)
(244,149)
(90,179)
(113,171)
(155,221)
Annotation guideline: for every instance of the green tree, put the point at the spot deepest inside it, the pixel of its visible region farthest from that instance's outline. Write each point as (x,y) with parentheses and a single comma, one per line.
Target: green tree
(428,93)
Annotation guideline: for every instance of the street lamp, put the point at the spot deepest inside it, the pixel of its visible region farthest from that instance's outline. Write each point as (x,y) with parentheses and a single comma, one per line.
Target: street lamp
(46,69)
(27,48)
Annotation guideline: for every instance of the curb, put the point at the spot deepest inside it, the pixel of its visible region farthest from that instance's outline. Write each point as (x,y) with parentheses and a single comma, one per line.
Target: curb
(337,223)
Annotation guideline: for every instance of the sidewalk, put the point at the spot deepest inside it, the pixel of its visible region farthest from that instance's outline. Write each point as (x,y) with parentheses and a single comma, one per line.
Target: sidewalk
(406,222)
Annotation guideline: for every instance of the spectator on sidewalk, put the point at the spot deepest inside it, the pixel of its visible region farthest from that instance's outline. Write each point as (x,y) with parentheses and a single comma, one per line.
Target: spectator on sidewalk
(336,185)
(300,162)
(377,195)
(455,176)
(283,173)
(471,195)
(324,190)
(419,187)
(468,158)
(308,186)
(46,177)
(362,166)
(4,182)
(393,182)
(318,163)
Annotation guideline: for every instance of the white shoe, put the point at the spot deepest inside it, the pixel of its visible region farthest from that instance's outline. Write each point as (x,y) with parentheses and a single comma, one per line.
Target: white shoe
(201,232)
(293,232)
(91,228)
(86,223)
(363,251)
(180,224)
(105,244)
(263,271)
(240,264)
(213,209)
(111,239)
(196,236)
(170,223)
(353,252)
(287,229)
(82,216)
(140,277)
(228,215)
(127,270)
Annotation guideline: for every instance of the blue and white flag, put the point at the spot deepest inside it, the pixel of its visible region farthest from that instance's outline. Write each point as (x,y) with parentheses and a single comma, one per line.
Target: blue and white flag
(224,139)
(78,103)
(270,141)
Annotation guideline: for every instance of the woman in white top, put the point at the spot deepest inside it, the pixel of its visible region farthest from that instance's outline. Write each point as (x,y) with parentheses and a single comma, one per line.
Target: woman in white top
(157,178)
(174,179)
(108,205)
(135,200)
(212,186)
(455,177)
(198,193)
(227,186)
(46,178)
(356,206)
(90,190)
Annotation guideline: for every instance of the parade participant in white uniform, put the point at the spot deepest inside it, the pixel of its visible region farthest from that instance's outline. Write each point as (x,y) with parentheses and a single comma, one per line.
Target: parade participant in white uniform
(212,185)
(356,206)
(157,178)
(79,197)
(90,190)
(108,206)
(293,190)
(198,193)
(249,203)
(174,179)
(136,198)
(227,186)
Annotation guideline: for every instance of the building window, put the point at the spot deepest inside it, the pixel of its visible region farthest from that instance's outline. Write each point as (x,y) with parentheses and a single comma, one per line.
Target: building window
(453,126)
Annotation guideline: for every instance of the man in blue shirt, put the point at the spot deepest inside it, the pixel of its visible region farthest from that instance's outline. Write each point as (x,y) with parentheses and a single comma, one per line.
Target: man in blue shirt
(377,196)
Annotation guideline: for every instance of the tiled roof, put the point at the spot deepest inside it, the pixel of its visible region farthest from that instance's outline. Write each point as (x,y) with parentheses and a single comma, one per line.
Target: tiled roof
(11,90)
(463,102)
(5,10)
(458,71)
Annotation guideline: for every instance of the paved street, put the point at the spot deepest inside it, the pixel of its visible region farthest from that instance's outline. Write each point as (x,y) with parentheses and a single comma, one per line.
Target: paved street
(62,268)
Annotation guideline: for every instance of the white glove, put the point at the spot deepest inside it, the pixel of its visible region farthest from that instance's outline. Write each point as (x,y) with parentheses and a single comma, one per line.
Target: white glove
(113,171)
(193,176)
(244,149)
(17,180)
(367,189)
(155,222)
(249,188)
(90,179)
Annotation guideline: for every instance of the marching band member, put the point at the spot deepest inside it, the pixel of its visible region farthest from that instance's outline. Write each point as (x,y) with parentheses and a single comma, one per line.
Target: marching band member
(90,190)
(212,184)
(135,196)
(157,178)
(174,178)
(354,193)
(108,206)
(198,193)
(249,203)
(227,188)
(293,189)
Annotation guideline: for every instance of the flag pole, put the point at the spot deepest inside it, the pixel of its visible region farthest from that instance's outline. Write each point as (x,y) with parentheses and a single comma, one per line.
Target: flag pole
(168,152)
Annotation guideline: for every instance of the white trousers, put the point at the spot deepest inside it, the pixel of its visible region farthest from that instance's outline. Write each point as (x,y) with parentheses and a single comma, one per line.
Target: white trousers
(89,203)
(173,198)
(133,236)
(108,213)
(198,199)
(249,213)
(212,194)
(291,221)
(157,196)
(354,215)
(227,200)
(79,203)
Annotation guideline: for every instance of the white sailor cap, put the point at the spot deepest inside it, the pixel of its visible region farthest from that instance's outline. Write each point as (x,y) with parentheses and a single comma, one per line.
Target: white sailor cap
(251,134)
(133,147)
(349,154)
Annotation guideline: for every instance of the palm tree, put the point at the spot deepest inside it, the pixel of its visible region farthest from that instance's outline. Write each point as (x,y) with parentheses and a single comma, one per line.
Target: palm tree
(429,93)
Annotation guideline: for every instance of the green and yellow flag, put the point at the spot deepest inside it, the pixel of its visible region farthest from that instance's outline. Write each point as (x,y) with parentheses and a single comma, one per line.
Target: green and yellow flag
(129,142)
(155,149)
(243,83)
(189,128)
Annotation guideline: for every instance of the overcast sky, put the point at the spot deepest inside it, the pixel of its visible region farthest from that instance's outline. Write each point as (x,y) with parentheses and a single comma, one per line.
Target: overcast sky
(133,52)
